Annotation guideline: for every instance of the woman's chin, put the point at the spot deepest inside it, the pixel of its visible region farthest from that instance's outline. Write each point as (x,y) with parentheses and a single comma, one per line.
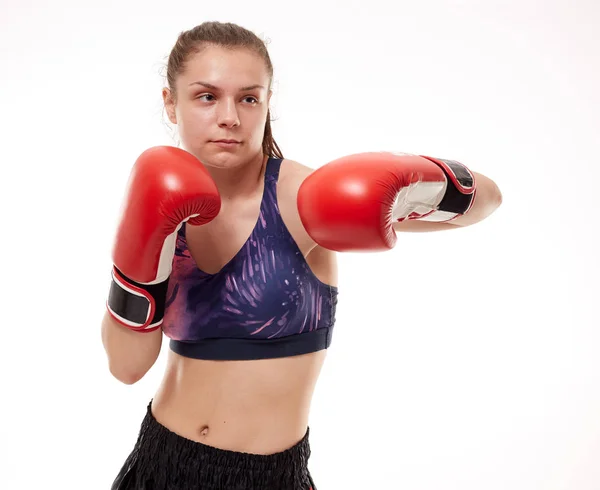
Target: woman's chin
(216,157)
(219,159)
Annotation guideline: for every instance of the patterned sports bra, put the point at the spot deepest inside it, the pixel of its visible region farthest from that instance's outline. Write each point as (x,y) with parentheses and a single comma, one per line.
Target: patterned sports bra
(264,303)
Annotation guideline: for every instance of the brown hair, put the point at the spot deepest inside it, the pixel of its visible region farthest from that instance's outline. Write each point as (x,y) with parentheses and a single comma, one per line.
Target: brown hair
(227,35)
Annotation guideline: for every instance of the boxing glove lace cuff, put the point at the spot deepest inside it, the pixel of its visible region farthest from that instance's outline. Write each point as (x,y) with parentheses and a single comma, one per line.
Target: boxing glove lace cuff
(137,306)
(460,192)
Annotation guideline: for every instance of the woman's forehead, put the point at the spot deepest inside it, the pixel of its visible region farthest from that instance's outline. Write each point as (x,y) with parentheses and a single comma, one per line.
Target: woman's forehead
(217,65)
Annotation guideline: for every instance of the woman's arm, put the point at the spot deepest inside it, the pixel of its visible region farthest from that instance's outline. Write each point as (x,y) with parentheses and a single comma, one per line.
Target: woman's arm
(130,354)
(487,199)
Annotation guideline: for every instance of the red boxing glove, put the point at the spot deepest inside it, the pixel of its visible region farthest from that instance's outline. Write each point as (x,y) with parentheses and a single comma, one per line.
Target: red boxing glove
(167,186)
(350,204)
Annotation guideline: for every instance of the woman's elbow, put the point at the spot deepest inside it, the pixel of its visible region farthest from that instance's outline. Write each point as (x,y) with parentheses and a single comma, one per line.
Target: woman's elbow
(495,193)
(126,377)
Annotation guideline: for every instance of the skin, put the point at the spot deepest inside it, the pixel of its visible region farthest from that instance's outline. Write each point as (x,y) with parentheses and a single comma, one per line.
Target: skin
(260,406)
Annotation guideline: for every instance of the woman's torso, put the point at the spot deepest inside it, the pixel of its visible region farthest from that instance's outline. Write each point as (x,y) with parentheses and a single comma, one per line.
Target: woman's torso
(256,406)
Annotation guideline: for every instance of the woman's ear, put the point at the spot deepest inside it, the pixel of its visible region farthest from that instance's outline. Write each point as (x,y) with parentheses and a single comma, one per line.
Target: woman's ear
(169,103)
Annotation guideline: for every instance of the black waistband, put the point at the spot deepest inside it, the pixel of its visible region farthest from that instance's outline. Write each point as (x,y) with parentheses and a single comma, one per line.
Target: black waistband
(247,349)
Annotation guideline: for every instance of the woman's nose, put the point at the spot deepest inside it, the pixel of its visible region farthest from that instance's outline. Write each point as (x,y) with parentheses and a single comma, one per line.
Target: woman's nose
(228,116)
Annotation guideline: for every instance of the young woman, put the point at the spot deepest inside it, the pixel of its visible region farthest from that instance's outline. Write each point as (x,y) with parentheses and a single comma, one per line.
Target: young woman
(230,250)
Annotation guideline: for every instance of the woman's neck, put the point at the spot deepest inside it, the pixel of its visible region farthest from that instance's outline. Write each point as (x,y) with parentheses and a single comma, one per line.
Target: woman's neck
(241,182)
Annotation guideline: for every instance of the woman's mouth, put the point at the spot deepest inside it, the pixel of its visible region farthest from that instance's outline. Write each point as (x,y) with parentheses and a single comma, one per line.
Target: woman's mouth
(226,143)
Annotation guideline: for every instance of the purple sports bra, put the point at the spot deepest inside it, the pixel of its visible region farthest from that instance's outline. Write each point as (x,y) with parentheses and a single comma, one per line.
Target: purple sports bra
(264,303)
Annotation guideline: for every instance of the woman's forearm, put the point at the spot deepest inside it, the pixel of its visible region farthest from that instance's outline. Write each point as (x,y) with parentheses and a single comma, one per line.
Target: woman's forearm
(130,354)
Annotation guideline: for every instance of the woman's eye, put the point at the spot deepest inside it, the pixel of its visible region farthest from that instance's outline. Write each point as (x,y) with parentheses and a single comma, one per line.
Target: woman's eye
(209,97)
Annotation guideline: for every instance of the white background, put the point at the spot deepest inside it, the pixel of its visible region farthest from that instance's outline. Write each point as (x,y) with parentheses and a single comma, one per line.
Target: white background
(465,359)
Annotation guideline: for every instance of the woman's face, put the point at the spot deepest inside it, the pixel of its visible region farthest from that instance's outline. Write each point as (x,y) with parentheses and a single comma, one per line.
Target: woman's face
(222,95)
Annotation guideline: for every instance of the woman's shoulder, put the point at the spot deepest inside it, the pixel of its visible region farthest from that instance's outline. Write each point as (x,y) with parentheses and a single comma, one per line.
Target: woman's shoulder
(293,172)
(291,176)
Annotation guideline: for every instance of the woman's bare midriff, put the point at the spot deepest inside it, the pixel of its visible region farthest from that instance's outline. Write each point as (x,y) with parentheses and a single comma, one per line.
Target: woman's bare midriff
(258,406)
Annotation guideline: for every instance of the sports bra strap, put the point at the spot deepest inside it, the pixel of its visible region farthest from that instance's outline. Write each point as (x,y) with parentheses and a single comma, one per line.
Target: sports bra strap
(272,171)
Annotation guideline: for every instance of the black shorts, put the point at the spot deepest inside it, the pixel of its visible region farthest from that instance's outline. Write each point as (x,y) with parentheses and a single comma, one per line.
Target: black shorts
(163,460)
